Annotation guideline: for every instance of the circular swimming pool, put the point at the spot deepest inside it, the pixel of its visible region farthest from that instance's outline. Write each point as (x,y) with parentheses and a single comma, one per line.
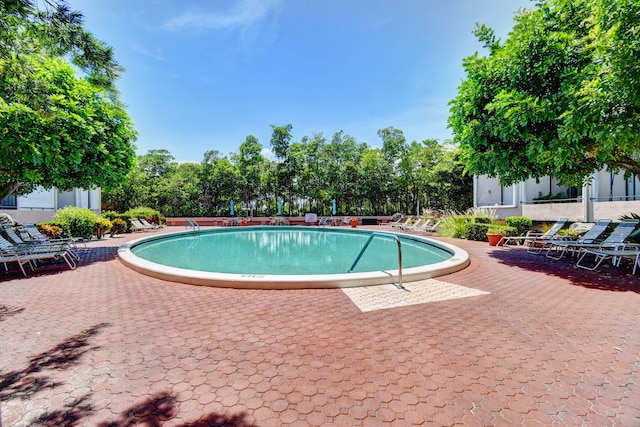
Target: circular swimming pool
(290,257)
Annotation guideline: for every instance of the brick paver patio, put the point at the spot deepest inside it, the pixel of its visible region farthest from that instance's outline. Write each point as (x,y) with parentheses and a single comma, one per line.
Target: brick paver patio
(541,344)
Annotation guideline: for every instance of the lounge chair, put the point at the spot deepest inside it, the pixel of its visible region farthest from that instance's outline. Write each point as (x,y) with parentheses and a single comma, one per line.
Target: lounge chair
(136,225)
(33,253)
(557,249)
(396,218)
(528,238)
(36,235)
(616,240)
(31,244)
(421,222)
(147,224)
(534,241)
(433,227)
(404,223)
(615,254)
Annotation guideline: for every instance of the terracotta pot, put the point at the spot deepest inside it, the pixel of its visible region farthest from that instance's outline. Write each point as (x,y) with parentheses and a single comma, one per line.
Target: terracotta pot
(354,222)
(494,238)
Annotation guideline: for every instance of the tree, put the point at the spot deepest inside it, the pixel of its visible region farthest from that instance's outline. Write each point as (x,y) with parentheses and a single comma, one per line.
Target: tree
(280,141)
(559,97)
(250,163)
(58,129)
(218,178)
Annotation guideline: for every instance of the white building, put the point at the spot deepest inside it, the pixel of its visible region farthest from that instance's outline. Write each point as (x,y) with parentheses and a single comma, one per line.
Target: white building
(42,204)
(607,196)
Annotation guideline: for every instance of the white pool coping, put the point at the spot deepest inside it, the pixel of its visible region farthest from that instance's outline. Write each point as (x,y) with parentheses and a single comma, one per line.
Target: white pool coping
(458,261)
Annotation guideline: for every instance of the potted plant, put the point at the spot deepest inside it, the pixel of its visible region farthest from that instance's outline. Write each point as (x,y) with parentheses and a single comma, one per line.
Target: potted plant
(495,235)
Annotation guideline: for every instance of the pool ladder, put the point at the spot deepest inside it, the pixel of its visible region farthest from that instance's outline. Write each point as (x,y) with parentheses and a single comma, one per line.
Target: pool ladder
(191,223)
(364,248)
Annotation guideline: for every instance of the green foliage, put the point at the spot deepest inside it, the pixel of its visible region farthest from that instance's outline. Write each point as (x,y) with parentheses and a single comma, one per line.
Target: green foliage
(102,226)
(477,232)
(149,214)
(635,236)
(58,129)
(118,226)
(474,224)
(503,229)
(455,225)
(77,222)
(522,224)
(559,97)
(49,229)
(313,172)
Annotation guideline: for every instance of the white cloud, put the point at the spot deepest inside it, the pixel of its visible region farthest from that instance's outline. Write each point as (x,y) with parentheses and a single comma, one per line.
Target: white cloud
(157,55)
(244,15)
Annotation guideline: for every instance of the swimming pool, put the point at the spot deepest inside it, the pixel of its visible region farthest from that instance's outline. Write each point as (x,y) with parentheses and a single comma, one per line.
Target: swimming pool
(289,257)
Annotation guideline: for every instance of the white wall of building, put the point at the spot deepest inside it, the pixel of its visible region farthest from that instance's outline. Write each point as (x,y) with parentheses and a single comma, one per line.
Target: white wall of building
(42,204)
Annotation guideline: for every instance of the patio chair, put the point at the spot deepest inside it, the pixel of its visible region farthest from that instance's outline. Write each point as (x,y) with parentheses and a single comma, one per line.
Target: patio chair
(433,227)
(616,254)
(36,235)
(615,240)
(557,249)
(396,218)
(530,238)
(147,224)
(33,253)
(422,222)
(404,222)
(136,225)
(31,244)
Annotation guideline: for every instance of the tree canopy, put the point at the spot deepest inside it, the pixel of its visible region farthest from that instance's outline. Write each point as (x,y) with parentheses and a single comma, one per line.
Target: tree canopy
(61,122)
(306,176)
(559,97)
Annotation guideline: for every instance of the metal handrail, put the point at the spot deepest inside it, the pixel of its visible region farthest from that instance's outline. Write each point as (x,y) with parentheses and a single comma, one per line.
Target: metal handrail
(191,223)
(364,248)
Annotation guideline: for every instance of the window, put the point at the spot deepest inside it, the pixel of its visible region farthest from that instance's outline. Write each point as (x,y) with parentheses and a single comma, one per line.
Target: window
(9,202)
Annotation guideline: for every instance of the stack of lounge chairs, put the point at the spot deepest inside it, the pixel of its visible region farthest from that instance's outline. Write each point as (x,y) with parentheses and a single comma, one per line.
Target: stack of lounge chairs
(423,224)
(141,224)
(29,250)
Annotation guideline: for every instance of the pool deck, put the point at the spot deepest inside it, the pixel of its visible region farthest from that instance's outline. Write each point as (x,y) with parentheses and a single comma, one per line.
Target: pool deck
(514,339)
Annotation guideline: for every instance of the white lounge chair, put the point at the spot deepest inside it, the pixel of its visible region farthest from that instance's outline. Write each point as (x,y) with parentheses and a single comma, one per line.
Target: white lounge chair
(615,254)
(557,249)
(33,253)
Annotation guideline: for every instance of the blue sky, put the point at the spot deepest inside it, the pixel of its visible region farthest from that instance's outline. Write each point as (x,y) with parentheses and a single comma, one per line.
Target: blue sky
(202,75)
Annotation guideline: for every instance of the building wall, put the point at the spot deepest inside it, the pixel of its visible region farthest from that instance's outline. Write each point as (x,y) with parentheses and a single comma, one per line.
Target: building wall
(42,204)
(609,196)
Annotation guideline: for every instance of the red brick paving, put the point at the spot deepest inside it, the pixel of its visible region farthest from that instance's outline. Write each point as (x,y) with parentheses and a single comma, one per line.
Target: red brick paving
(106,346)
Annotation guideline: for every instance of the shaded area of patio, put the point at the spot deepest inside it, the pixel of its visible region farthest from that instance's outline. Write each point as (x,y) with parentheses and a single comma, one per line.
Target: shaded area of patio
(541,343)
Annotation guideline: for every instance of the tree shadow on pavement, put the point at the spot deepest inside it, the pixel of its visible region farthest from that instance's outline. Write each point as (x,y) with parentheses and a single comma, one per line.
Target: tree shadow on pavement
(153,412)
(88,256)
(6,311)
(21,384)
(605,278)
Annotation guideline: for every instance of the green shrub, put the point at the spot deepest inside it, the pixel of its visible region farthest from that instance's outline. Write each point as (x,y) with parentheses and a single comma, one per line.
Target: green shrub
(118,226)
(477,232)
(77,222)
(49,229)
(522,224)
(503,229)
(101,227)
(454,226)
(482,220)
